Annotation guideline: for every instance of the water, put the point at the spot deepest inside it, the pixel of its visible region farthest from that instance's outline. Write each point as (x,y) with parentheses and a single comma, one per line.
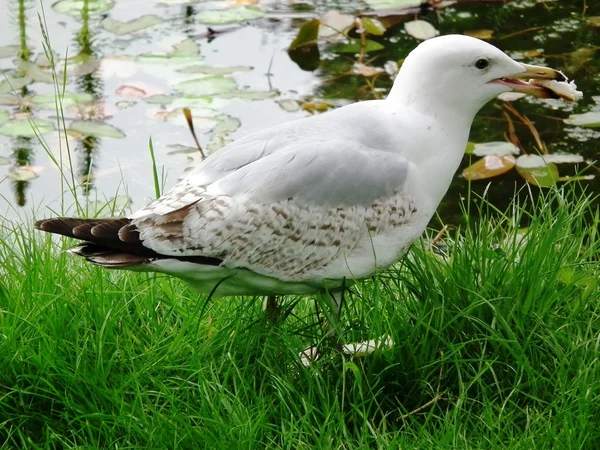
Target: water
(249,83)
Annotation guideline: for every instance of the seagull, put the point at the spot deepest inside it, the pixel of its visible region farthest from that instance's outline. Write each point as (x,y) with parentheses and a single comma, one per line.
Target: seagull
(309,206)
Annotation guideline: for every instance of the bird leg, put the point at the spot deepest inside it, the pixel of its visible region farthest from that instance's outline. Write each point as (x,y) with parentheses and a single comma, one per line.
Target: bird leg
(272,309)
(331,304)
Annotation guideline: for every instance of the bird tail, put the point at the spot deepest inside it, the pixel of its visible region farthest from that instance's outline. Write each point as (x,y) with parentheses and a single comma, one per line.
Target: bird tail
(111,243)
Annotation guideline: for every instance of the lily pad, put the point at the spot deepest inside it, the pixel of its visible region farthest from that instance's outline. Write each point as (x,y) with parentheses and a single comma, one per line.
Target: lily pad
(207,86)
(392,4)
(96,128)
(10,84)
(420,29)
(289,105)
(488,167)
(4,161)
(250,95)
(26,128)
(373,26)
(75,7)
(307,35)
(355,46)
(535,170)
(231,15)
(179,149)
(4,116)
(495,148)
(35,72)
(132,26)
(47,101)
(226,124)
(204,119)
(24,173)
(211,70)
(9,50)
(10,99)
(589,119)
(334,24)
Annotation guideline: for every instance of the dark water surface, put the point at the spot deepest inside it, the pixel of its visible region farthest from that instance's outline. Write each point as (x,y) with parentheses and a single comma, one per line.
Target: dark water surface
(126,83)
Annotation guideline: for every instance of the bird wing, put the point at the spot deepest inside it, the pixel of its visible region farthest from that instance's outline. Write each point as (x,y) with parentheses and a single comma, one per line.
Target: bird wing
(289,213)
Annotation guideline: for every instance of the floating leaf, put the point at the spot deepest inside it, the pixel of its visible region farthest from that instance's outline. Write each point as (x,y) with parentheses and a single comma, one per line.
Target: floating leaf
(96,128)
(185,48)
(9,50)
(392,4)
(231,15)
(334,24)
(307,35)
(25,128)
(4,116)
(49,101)
(217,142)
(226,124)
(178,149)
(420,29)
(510,96)
(366,71)
(124,105)
(4,161)
(250,95)
(495,148)
(211,70)
(10,99)
(315,107)
(480,34)
(130,91)
(122,28)
(205,119)
(35,72)
(289,105)
(589,119)
(75,7)
(24,173)
(373,26)
(537,171)
(11,84)
(355,46)
(207,86)
(488,167)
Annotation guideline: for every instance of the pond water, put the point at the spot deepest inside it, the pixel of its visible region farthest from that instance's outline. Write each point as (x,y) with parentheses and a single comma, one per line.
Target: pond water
(131,66)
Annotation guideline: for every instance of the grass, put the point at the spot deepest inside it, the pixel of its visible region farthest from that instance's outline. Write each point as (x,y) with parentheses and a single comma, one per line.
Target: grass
(496,346)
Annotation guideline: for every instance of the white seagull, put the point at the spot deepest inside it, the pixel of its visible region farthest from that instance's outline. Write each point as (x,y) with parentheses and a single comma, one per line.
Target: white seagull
(307,206)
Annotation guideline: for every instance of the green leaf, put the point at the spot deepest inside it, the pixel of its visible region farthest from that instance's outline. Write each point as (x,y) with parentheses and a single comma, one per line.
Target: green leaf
(10,84)
(23,174)
(231,15)
(420,29)
(48,101)
(4,116)
(25,128)
(488,167)
(96,128)
(392,4)
(589,119)
(354,46)
(75,7)
(35,72)
(535,170)
(122,28)
(207,86)
(210,70)
(373,26)
(226,124)
(307,35)
(495,148)
(9,50)
(250,95)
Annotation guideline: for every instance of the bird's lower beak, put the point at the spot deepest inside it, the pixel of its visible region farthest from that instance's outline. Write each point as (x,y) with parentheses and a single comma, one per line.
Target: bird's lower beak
(522,81)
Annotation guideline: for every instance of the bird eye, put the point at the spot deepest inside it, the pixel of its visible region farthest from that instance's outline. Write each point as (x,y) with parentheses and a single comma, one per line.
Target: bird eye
(482,63)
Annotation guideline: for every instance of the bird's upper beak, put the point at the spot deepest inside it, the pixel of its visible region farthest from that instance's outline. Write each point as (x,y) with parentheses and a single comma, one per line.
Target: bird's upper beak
(524,81)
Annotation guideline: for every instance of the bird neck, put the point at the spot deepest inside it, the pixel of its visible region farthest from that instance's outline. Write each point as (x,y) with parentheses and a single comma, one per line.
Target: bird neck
(437,101)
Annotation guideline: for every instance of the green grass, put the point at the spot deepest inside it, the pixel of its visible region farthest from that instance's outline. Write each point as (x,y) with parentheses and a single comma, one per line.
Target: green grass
(496,346)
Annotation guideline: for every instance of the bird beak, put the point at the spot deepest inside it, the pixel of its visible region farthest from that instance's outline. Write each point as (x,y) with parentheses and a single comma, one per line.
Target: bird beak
(525,81)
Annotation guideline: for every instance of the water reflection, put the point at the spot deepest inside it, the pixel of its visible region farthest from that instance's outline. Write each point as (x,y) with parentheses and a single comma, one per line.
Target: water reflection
(90,82)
